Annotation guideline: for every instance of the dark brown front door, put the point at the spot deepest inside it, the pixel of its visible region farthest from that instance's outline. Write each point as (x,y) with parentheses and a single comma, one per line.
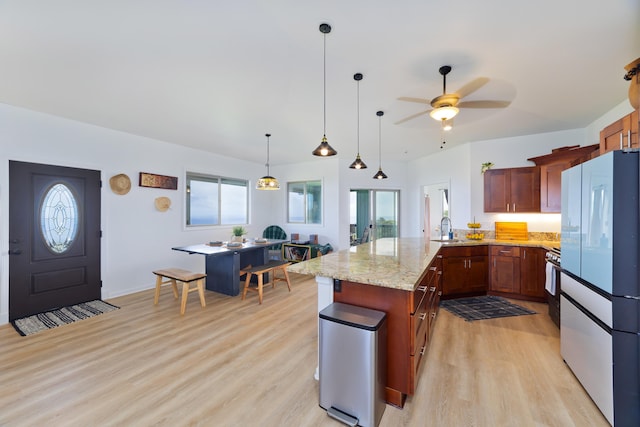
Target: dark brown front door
(54,237)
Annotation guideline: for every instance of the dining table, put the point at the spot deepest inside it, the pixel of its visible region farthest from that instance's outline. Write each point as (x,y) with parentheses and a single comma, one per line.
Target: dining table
(224,260)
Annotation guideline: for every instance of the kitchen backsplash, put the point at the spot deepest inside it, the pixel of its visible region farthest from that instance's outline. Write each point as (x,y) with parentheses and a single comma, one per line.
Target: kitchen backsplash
(491,234)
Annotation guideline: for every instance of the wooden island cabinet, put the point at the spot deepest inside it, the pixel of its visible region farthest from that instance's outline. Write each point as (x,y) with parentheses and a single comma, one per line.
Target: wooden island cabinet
(410,318)
(464,271)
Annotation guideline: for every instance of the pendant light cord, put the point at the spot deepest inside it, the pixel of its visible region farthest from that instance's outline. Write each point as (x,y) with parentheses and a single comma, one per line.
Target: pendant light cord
(324,85)
(358,112)
(268,171)
(380,141)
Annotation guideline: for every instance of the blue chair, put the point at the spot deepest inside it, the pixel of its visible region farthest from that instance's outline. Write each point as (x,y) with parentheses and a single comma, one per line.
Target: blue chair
(274,232)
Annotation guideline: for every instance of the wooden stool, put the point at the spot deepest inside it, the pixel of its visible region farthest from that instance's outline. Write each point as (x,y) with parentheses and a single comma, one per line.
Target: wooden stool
(174,275)
(270,267)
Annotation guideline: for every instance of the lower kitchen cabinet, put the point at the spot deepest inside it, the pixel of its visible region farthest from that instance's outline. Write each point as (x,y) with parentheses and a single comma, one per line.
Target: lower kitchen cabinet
(410,319)
(532,272)
(464,270)
(517,272)
(505,269)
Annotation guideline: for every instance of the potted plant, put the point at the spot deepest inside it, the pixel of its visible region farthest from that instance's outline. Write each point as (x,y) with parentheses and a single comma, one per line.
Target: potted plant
(237,233)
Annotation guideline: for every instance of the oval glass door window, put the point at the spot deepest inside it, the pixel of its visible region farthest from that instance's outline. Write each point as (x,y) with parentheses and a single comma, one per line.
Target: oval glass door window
(59,218)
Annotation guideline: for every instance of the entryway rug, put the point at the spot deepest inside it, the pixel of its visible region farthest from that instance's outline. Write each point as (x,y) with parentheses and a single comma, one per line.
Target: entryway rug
(61,316)
(484,307)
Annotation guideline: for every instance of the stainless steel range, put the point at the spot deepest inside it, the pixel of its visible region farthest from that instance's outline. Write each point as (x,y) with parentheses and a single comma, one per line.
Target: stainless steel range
(552,284)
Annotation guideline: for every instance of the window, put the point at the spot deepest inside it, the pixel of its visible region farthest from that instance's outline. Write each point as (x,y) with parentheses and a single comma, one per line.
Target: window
(305,202)
(59,218)
(214,200)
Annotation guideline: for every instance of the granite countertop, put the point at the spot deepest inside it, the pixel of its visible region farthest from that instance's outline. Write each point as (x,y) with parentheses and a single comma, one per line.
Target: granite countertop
(389,262)
(397,263)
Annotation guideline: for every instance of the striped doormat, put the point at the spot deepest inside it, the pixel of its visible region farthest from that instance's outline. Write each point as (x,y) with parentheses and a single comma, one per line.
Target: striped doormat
(484,307)
(61,316)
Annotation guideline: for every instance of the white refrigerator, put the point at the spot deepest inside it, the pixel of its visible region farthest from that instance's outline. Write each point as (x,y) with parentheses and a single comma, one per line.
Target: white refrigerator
(600,299)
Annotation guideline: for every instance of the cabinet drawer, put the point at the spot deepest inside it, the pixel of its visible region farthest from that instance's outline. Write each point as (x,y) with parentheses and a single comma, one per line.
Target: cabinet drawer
(420,319)
(416,359)
(428,281)
(511,251)
(464,251)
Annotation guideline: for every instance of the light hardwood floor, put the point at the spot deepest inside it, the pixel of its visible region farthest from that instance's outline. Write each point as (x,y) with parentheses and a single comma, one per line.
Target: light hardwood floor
(236,363)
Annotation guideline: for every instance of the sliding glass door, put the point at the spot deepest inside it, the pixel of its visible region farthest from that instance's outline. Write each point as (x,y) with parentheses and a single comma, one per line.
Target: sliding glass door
(376,211)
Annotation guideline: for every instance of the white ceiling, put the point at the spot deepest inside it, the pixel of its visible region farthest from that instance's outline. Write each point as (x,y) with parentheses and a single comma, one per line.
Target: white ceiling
(218,75)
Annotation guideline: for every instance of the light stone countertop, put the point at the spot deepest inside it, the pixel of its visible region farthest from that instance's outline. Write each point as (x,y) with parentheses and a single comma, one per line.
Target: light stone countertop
(397,263)
(389,262)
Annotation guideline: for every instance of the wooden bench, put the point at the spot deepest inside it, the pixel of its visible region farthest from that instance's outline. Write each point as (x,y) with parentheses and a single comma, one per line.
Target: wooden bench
(186,277)
(269,268)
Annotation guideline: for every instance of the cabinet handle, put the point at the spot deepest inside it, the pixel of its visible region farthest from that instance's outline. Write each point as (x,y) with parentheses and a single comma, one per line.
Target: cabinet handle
(629,138)
(422,316)
(469,263)
(514,207)
(494,262)
(422,350)
(621,138)
(507,207)
(433,268)
(439,293)
(432,289)
(422,288)
(502,251)
(433,315)
(465,263)
(524,254)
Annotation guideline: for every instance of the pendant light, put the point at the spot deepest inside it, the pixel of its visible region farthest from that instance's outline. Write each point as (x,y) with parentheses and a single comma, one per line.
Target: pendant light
(267,182)
(324,149)
(380,174)
(358,163)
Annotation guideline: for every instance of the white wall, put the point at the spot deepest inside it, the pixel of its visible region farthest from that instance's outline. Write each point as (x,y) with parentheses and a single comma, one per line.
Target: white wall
(136,237)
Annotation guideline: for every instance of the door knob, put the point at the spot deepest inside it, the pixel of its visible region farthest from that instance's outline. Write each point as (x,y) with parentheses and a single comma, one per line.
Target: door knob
(15,251)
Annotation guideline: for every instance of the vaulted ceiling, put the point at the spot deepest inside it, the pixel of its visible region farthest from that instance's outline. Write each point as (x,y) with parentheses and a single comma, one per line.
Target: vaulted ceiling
(218,75)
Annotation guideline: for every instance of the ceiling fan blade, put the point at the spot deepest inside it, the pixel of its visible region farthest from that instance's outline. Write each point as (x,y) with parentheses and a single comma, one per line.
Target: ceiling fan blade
(406,119)
(484,104)
(472,86)
(418,100)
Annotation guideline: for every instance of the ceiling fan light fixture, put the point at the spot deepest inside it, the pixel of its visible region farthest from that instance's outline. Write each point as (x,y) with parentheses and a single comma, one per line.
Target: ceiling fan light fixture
(267,182)
(447,125)
(324,149)
(446,112)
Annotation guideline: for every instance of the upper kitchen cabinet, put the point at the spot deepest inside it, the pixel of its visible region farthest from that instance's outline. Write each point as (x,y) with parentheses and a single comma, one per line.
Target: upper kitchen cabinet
(512,190)
(551,167)
(621,134)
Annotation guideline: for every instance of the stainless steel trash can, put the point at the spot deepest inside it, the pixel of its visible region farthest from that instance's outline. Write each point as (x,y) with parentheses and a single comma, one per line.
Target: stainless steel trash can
(352,363)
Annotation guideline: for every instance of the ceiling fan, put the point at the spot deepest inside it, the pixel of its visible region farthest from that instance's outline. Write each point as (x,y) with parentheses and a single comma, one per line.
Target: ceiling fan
(447,105)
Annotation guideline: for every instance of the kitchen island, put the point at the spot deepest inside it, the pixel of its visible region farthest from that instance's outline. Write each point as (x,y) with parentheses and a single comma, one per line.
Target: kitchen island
(400,276)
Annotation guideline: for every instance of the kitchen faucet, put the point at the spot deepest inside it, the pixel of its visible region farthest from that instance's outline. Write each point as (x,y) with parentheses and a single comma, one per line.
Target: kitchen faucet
(449,232)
